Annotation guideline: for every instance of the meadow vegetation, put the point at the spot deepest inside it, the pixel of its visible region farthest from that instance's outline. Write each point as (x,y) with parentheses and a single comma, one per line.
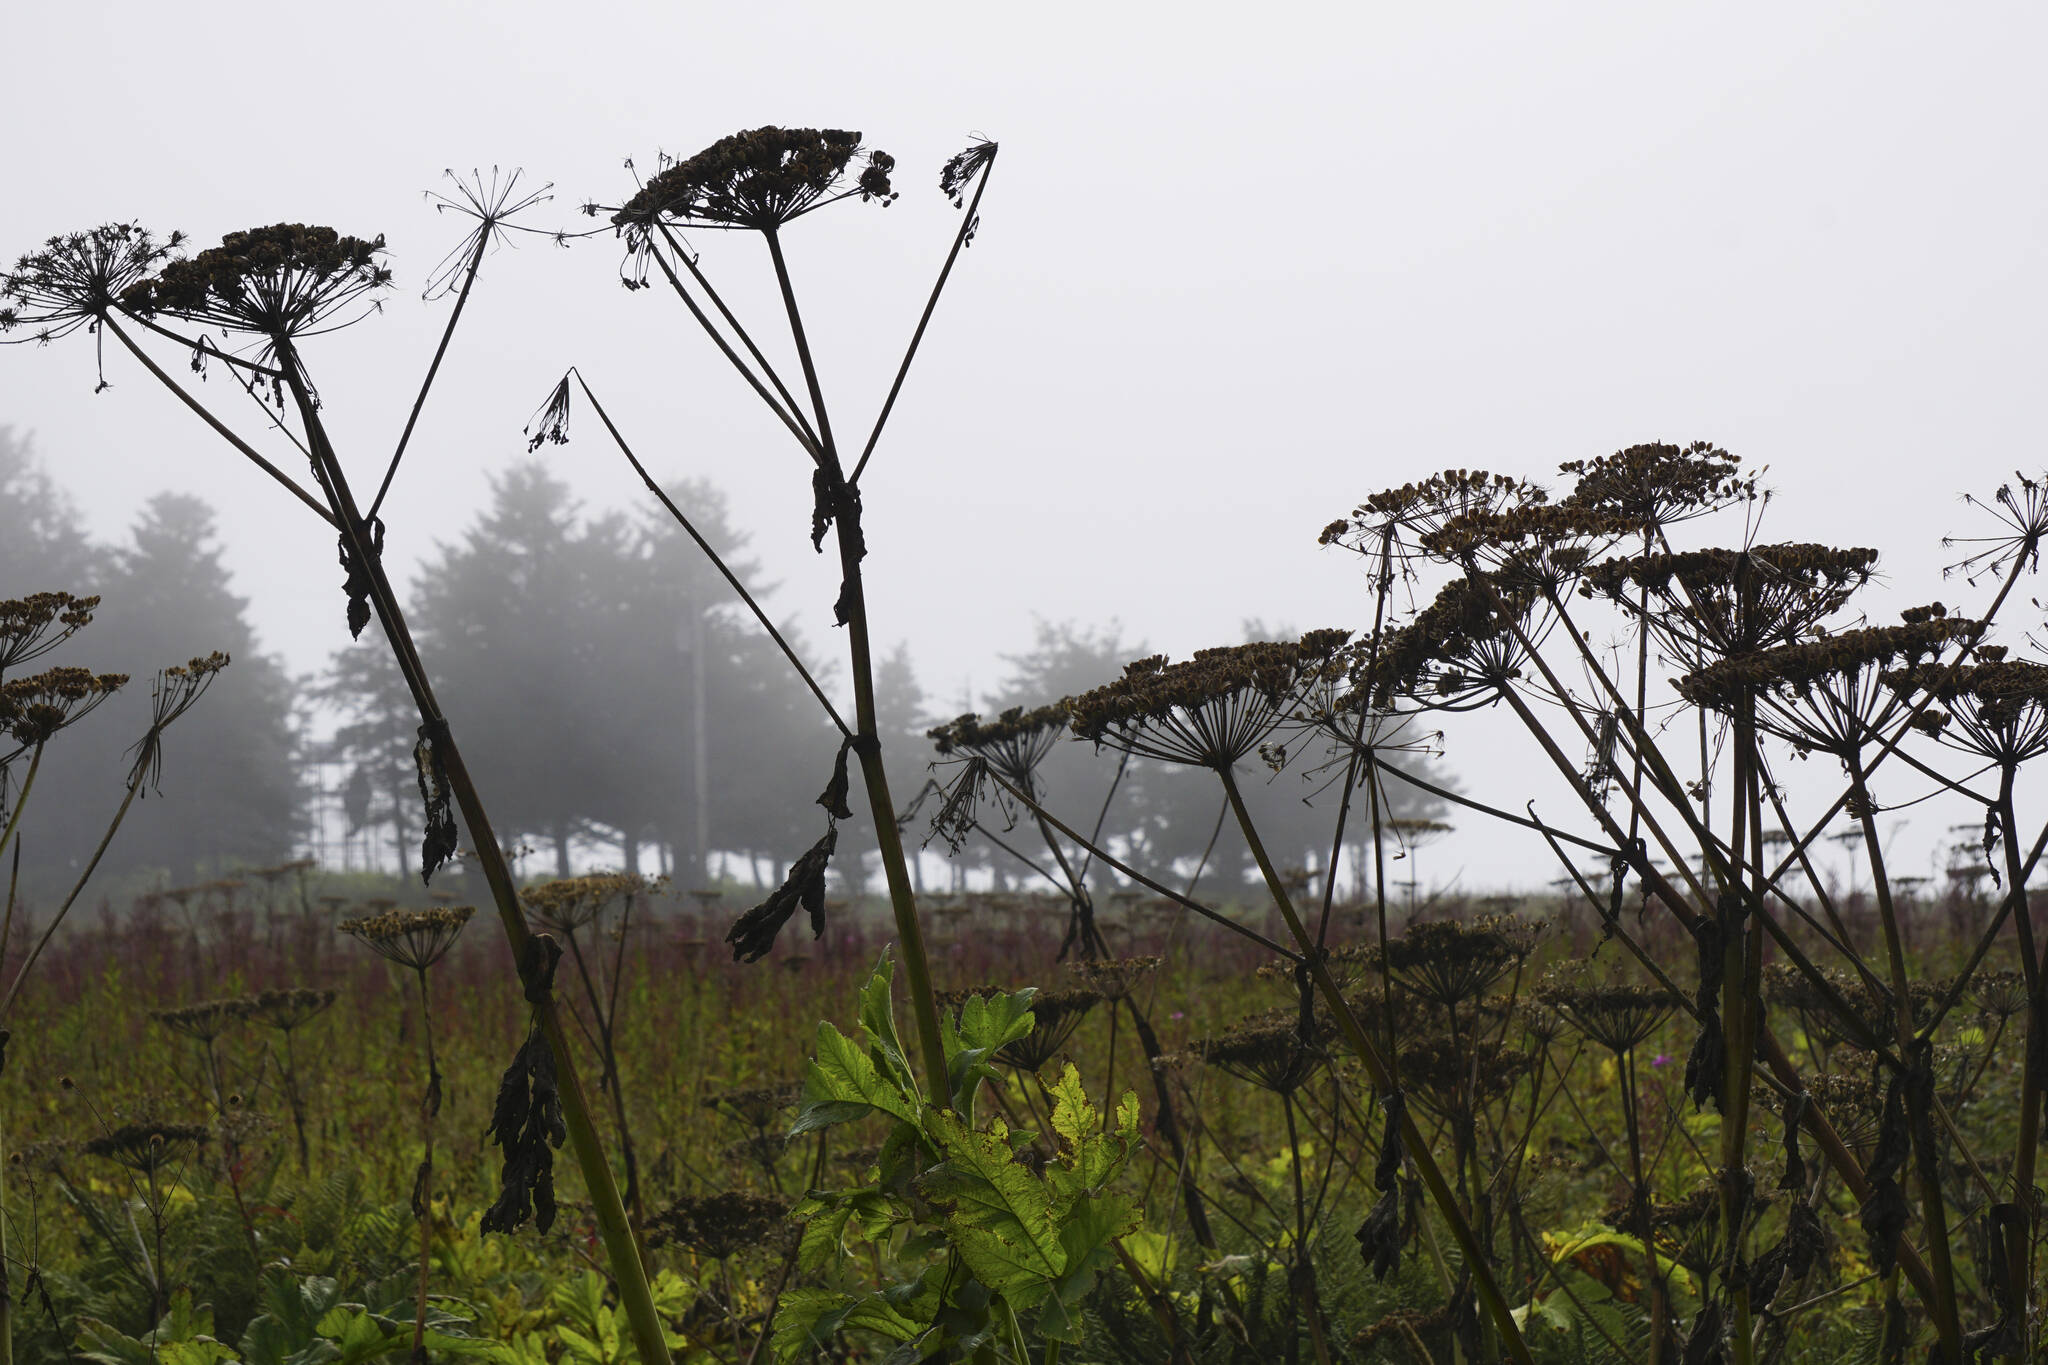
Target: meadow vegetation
(1704,1105)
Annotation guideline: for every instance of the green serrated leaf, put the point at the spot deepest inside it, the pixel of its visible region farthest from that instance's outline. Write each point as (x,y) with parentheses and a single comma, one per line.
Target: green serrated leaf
(843,1074)
(818,1114)
(1000,1216)
(821,1241)
(878,1026)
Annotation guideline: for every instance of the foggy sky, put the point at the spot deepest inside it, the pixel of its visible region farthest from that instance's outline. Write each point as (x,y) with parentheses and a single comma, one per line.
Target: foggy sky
(1237,269)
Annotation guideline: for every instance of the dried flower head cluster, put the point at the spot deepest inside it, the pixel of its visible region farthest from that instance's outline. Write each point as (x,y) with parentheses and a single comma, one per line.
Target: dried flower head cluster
(758,1107)
(1453,962)
(34,625)
(286,280)
(1825,693)
(1996,707)
(1458,1075)
(1657,484)
(962,167)
(1269,1052)
(411,938)
(1211,710)
(78,278)
(149,1147)
(570,903)
(758,179)
(1014,743)
(1054,1017)
(173,692)
(721,1225)
(1619,1017)
(205,1021)
(1717,603)
(1427,505)
(289,1009)
(1458,652)
(34,708)
(1114,978)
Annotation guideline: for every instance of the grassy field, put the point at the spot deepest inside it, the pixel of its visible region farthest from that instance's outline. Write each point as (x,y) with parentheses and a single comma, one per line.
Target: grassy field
(158,1174)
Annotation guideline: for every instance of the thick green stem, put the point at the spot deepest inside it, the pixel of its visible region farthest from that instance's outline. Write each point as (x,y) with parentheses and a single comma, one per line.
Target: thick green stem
(2020,1249)
(1933,1213)
(1382,1078)
(853,612)
(423,1187)
(621,1249)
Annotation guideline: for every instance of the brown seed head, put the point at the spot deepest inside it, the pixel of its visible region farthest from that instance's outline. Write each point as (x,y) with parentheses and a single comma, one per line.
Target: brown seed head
(758,179)
(279,281)
(411,938)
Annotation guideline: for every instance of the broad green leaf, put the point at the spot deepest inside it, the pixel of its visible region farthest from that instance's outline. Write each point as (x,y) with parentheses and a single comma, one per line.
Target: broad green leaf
(1000,1215)
(673,1294)
(1074,1116)
(1090,1225)
(808,1319)
(818,1114)
(822,1236)
(987,1023)
(843,1074)
(878,1026)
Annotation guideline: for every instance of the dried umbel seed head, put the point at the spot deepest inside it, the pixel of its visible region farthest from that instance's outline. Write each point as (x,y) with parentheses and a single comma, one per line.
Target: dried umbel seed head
(34,625)
(1014,743)
(76,280)
(34,708)
(1453,962)
(1996,708)
(1457,652)
(1526,534)
(1997,995)
(285,280)
(1872,1014)
(961,169)
(1853,1105)
(149,1147)
(286,1010)
(1658,485)
(1425,506)
(759,179)
(762,1149)
(173,692)
(1054,1017)
(721,1225)
(1839,669)
(572,902)
(1458,1075)
(2021,509)
(1618,1017)
(1211,710)
(758,1107)
(411,938)
(1268,1052)
(1715,603)
(1114,978)
(206,1020)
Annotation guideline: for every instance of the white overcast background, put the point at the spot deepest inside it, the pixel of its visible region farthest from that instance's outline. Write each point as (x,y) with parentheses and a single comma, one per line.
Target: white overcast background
(1238,267)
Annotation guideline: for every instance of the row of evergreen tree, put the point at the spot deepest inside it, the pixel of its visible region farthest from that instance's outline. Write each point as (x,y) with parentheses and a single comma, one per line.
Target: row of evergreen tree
(618,705)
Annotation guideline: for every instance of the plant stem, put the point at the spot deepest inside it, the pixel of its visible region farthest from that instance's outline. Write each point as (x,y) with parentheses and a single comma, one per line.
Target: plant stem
(1934,1216)
(423,1190)
(621,1250)
(852,607)
(1376,1067)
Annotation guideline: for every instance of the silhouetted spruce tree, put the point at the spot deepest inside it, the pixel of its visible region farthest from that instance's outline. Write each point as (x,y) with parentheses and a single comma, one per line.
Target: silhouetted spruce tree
(565,647)
(43,544)
(230,791)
